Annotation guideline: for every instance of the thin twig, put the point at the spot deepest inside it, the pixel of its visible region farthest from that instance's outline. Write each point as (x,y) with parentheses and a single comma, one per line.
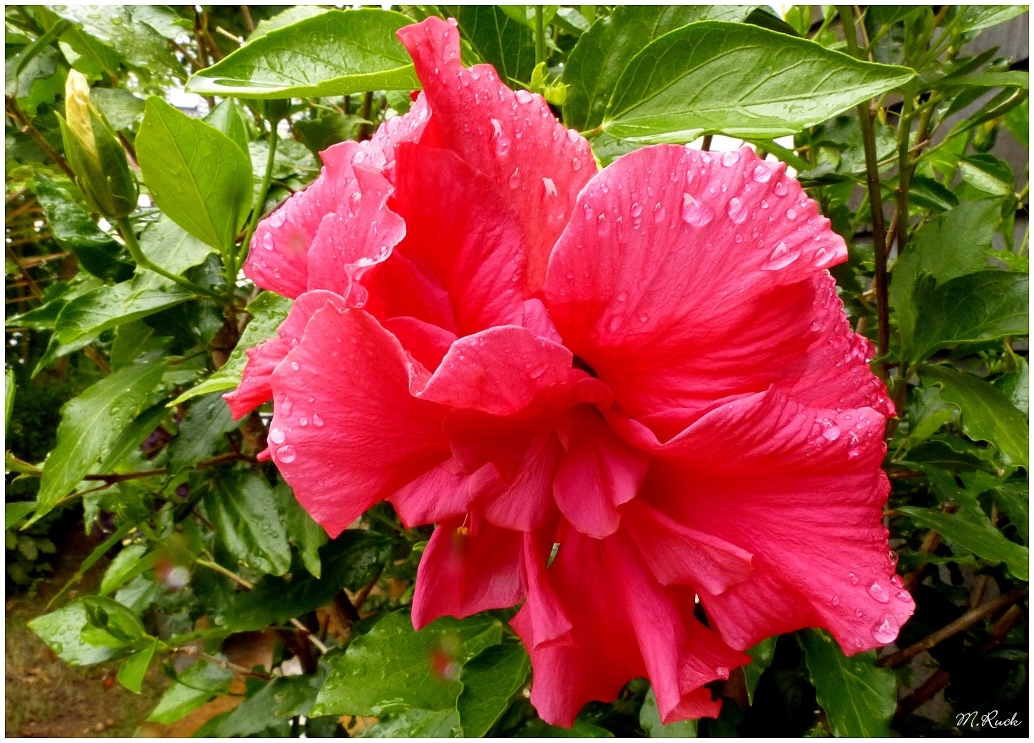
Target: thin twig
(961,624)
(224,664)
(27,128)
(247,19)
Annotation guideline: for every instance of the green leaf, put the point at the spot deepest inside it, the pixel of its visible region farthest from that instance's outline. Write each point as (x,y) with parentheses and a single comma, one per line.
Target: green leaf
(977,17)
(538,728)
(122,567)
(715,77)
(330,128)
(951,244)
(928,193)
(976,307)
(859,699)
(274,704)
(131,674)
(62,630)
(393,668)
(133,339)
(303,532)
(887,15)
(121,109)
(762,654)
(134,435)
(15,512)
(91,425)
(987,414)
(268,311)
(118,27)
(1016,385)
(988,174)
(201,433)
(1014,499)
(171,247)
(117,625)
(350,561)
(416,723)
(1017,121)
(601,54)
(505,43)
(1013,79)
(196,685)
(228,118)
(75,231)
(969,527)
(109,306)
(286,18)
(490,680)
(196,174)
(242,507)
(9,388)
(650,721)
(335,53)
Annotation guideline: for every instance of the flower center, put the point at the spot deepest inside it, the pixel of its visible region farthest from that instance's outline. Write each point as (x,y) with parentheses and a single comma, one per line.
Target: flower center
(578,363)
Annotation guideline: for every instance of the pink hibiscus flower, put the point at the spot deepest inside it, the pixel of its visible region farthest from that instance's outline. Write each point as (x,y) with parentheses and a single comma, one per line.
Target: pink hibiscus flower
(647,366)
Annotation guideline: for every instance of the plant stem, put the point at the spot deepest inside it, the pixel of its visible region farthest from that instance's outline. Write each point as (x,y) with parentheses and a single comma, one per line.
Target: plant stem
(126,229)
(879,241)
(256,213)
(904,170)
(27,127)
(540,36)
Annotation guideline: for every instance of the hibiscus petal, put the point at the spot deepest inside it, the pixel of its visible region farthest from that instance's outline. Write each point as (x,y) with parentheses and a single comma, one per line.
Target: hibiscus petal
(255,388)
(623,625)
(598,473)
(277,260)
(513,138)
(542,621)
(797,470)
(437,495)
(398,287)
(500,371)
(427,343)
(346,432)
(459,227)
(526,502)
(359,235)
(685,277)
(465,570)
(678,554)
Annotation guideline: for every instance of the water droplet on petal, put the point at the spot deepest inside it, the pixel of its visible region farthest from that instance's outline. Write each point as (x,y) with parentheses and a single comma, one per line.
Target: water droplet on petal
(791,214)
(781,257)
(737,210)
(637,209)
(835,600)
(885,631)
(694,213)
(524,96)
(602,225)
(572,136)
(515,178)
(549,185)
(858,612)
(286,454)
(879,592)
(780,188)
(904,596)
(854,579)
(576,164)
(295,365)
(658,212)
(277,436)
(316,420)
(831,434)
(762,174)
(722,672)
(730,158)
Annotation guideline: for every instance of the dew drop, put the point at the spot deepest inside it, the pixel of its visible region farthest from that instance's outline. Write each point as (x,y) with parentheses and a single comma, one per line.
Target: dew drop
(835,600)
(637,208)
(791,214)
(286,454)
(694,213)
(781,257)
(316,420)
(885,631)
(303,421)
(572,136)
(602,225)
(549,185)
(658,212)
(895,580)
(737,210)
(524,96)
(762,174)
(277,436)
(780,188)
(515,178)
(853,578)
(879,592)
(858,612)
(831,434)
(730,158)
(904,596)
(722,672)
(576,164)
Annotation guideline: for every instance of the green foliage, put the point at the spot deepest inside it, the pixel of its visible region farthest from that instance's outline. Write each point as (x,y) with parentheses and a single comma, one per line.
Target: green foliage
(123,334)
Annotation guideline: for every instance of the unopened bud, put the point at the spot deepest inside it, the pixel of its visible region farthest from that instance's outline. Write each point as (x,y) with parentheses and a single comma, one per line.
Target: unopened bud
(95,154)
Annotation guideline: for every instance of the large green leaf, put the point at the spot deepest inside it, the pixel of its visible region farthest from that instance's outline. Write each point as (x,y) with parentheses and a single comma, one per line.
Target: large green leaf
(393,668)
(740,80)
(601,54)
(762,654)
(505,43)
(197,176)
(969,527)
(276,703)
(204,428)
(976,307)
(987,414)
(650,721)
(267,312)
(242,507)
(490,680)
(121,28)
(74,231)
(306,535)
(109,306)
(1014,499)
(91,425)
(350,561)
(977,17)
(416,723)
(858,697)
(952,244)
(335,53)
(172,247)
(197,685)
(131,674)
(62,630)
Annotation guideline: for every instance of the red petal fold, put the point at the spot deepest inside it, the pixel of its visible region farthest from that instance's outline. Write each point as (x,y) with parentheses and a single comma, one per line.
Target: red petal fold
(346,432)
(674,249)
(467,569)
(511,137)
